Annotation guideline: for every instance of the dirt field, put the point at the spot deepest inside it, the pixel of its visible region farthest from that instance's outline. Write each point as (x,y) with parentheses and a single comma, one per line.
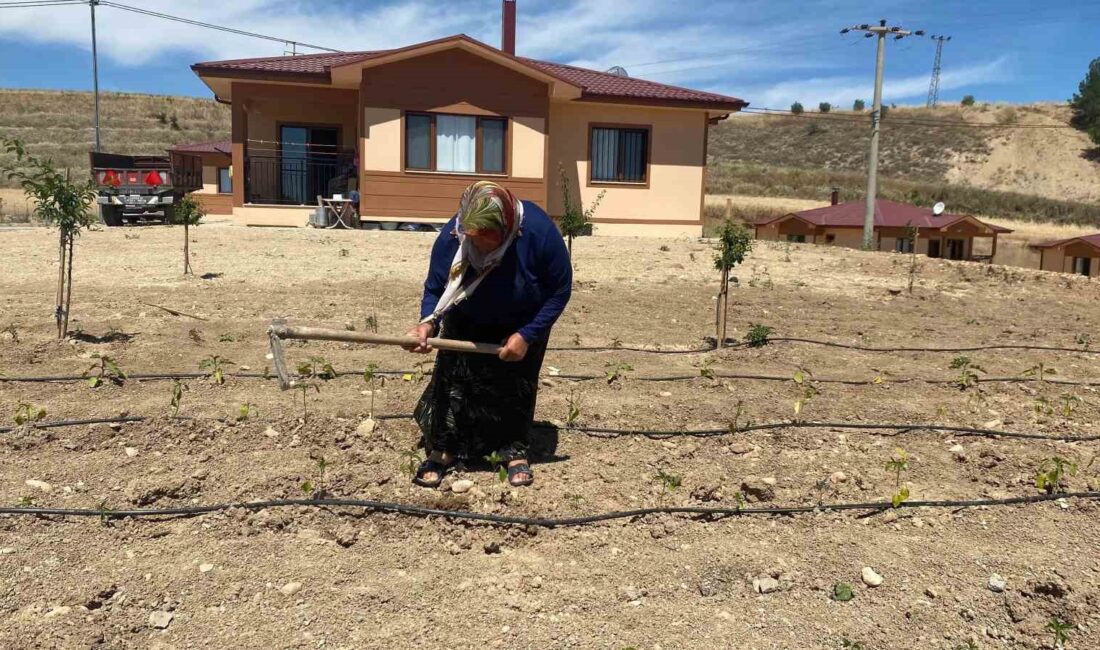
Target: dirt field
(307,578)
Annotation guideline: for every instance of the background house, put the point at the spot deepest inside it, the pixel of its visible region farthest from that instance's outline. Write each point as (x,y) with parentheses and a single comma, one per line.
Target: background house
(945,235)
(410,128)
(216,194)
(1080,255)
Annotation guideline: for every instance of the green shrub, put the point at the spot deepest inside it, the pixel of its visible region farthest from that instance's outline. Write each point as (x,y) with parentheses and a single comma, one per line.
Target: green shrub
(858,105)
(968,100)
(796,108)
(824,107)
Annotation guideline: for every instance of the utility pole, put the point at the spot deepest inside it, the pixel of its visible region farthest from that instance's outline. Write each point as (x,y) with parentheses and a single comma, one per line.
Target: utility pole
(95,74)
(934,85)
(881,31)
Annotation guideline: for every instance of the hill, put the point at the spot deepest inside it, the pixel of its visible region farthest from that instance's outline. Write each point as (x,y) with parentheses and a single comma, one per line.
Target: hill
(949,154)
(58,124)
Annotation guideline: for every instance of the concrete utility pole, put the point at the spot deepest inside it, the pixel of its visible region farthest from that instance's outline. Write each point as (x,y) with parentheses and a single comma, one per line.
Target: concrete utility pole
(95,74)
(934,85)
(882,30)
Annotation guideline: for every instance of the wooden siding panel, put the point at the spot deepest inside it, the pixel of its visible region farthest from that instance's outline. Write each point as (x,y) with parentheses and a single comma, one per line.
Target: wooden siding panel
(215,203)
(427,195)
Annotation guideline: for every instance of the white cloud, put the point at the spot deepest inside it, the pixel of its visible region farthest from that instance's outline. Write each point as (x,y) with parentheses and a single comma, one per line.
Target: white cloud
(842,90)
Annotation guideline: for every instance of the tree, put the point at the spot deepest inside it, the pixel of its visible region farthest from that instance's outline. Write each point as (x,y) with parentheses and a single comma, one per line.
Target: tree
(796,108)
(734,243)
(858,105)
(186,213)
(576,220)
(58,201)
(967,100)
(1086,103)
(824,107)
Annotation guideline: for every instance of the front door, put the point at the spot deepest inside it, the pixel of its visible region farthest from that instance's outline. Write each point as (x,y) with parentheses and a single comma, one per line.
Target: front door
(956,249)
(933,248)
(307,162)
(1082,265)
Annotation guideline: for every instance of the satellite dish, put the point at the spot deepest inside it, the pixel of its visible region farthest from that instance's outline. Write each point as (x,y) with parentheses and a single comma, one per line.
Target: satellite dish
(938,208)
(618,71)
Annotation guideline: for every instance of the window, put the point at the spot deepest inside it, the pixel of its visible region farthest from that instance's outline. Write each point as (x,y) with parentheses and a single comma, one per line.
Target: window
(830,239)
(903,245)
(933,248)
(619,155)
(796,239)
(225,181)
(462,144)
(1082,265)
(955,248)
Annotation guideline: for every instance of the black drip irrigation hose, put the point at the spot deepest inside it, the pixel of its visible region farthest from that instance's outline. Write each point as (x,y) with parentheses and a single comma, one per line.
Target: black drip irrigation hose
(606,432)
(542,522)
(974,348)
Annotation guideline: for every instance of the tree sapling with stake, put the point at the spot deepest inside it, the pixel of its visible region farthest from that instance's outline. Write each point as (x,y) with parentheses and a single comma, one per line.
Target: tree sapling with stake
(576,220)
(186,212)
(734,243)
(58,201)
(898,464)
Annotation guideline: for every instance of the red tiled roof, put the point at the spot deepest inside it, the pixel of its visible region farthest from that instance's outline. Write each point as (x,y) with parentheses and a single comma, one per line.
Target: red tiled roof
(888,214)
(594,84)
(1093,240)
(210,146)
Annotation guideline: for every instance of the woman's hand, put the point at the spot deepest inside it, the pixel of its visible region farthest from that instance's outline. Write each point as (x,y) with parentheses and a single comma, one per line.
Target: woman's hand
(421,333)
(514,349)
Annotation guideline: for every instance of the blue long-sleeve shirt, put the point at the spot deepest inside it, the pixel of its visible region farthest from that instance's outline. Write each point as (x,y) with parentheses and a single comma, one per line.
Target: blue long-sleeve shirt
(528,290)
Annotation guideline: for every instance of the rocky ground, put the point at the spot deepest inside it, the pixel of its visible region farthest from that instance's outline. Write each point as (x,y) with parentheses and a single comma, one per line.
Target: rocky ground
(993,577)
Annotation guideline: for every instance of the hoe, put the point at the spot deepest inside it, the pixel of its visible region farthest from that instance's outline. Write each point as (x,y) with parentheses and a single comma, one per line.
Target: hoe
(280,330)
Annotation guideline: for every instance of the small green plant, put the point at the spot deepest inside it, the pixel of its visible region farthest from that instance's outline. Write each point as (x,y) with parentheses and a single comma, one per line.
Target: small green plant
(186,212)
(670,482)
(806,389)
(316,490)
(26,501)
(705,369)
(1070,402)
(898,464)
(344,252)
(303,387)
(317,368)
(418,374)
(968,372)
(496,461)
(1061,630)
(969,645)
(177,396)
(1042,406)
(663,248)
(245,411)
(757,336)
(107,370)
(616,342)
(842,592)
(104,512)
(615,372)
(576,220)
(738,411)
(574,409)
(847,644)
(1052,471)
(733,245)
(26,412)
(215,368)
(226,338)
(1039,371)
(410,461)
(375,382)
(1084,340)
(967,100)
(371,323)
(739,499)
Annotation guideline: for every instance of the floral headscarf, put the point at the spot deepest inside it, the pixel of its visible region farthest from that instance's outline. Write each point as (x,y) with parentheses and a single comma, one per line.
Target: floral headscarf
(485,209)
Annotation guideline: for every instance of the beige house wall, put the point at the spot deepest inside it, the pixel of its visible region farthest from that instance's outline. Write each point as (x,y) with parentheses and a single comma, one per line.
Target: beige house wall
(644,230)
(209,180)
(315,107)
(676,164)
(270,215)
(846,237)
(381,141)
(528,146)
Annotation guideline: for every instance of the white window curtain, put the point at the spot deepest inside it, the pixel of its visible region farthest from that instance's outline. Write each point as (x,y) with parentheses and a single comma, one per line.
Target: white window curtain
(454,144)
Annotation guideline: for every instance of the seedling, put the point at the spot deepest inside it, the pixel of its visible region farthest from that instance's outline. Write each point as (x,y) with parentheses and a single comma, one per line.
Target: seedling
(615,372)
(1042,406)
(1070,402)
(738,411)
(1084,340)
(846,644)
(308,486)
(705,370)
(670,482)
(969,645)
(739,498)
(303,387)
(371,323)
(616,343)
(26,412)
(107,370)
(215,366)
(316,367)
(842,592)
(1061,630)
(968,372)
(496,461)
(1039,371)
(418,373)
(245,411)
(177,396)
(758,335)
(898,464)
(344,252)
(1052,471)
(807,391)
(574,407)
(576,339)
(104,511)
(410,461)
(195,335)
(26,501)
(226,338)
(375,382)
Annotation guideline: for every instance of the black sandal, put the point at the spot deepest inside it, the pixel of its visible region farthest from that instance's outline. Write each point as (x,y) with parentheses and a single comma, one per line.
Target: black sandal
(521,468)
(435,467)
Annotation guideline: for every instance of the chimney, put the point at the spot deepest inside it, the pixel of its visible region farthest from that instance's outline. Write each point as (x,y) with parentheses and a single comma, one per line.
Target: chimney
(835,197)
(508,26)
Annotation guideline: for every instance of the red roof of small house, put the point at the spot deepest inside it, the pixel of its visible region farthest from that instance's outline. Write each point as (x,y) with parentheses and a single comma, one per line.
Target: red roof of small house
(593,84)
(888,214)
(209,146)
(1092,240)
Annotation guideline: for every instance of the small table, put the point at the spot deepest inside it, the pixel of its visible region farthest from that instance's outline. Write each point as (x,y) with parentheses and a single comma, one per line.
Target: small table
(344,212)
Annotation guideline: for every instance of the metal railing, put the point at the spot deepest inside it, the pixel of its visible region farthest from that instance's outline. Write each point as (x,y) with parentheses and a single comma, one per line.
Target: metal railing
(298,179)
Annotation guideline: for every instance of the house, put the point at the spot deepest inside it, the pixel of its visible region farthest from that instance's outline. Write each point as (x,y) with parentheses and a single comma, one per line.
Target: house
(1080,255)
(950,236)
(410,128)
(216,194)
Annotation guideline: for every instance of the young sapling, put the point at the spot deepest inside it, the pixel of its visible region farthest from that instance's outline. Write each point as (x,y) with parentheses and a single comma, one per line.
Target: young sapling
(26,413)
(375,382)
(1052,471)
(177,396)
(898,464)
(968,372)
(316,490)
(757,336)
(245,411)
(670,482)
(615,372)
(215,368)
(107,370)
(496,461)
(1061,630)
(574,409)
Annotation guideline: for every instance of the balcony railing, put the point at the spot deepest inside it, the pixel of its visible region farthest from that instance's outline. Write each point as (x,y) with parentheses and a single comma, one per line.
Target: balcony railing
(284,179)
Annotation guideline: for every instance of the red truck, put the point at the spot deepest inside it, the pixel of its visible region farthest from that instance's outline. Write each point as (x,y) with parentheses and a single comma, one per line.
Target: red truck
(140,188)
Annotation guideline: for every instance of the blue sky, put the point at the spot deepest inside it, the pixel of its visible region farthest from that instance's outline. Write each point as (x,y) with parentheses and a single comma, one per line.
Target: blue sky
(769,52)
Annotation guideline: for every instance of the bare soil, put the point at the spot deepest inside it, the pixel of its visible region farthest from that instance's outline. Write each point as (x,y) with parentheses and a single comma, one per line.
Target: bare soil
(371,580)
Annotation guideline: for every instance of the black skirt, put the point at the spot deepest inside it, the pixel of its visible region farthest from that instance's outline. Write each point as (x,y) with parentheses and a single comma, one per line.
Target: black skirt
(476,404)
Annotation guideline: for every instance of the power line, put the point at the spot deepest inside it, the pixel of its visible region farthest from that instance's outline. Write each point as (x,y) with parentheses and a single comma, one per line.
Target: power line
(41,3)
(934,85)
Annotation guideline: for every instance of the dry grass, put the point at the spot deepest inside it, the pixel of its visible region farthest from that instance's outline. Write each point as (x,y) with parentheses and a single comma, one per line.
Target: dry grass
(58,124)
